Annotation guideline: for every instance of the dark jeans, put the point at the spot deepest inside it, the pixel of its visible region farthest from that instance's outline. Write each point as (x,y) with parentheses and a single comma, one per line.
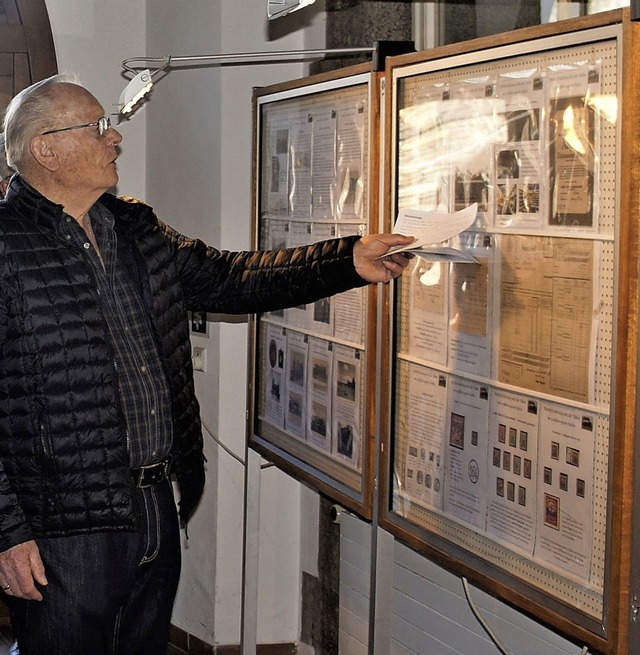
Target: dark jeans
(109,593)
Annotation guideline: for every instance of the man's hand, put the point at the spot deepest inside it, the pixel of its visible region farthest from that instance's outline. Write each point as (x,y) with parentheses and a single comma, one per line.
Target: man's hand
(369,259)
(20,568)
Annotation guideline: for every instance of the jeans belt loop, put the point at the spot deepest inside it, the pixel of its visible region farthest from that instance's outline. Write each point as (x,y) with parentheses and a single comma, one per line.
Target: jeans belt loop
(145,476)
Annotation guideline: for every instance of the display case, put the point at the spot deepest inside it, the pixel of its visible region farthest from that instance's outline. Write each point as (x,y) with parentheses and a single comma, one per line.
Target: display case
(313,378)
(509,420)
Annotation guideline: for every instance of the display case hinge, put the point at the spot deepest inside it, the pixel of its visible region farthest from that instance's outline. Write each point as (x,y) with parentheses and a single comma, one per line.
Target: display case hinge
(635,609)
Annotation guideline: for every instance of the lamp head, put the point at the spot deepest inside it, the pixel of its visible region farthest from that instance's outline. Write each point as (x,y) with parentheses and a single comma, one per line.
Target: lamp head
(134,92)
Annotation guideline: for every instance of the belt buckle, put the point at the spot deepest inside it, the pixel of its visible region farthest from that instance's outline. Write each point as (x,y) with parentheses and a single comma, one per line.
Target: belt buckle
(140,475)
(155,472)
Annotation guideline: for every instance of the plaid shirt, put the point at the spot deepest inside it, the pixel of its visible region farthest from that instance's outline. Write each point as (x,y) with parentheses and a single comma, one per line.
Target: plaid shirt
(144,392)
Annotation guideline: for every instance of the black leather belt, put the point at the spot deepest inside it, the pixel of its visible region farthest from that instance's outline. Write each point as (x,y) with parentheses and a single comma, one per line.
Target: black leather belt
(145,476)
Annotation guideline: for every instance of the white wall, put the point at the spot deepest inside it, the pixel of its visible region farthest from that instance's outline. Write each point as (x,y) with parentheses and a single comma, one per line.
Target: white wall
(421,608)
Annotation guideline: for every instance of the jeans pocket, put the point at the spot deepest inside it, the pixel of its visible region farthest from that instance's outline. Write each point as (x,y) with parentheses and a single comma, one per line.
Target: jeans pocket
(151,527)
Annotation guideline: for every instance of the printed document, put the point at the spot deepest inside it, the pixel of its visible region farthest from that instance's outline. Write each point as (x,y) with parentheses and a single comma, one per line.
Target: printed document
(430,228)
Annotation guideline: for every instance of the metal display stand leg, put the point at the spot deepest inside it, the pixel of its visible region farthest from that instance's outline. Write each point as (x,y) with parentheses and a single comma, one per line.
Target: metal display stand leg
(380,635)
(249,605)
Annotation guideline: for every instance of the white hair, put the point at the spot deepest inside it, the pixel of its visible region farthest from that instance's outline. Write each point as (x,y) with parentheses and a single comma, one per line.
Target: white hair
(30,112)
(5,169)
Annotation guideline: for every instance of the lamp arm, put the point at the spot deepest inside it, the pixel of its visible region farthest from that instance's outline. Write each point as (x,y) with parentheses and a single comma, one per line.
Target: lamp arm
(135,63)
(142,81)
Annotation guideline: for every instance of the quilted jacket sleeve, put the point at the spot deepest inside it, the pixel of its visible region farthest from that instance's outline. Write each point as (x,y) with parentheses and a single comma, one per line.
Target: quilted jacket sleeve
(14,528)
(248,282)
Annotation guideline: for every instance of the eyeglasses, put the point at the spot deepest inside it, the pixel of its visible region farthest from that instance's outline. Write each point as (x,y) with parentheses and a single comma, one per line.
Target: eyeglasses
(103,124)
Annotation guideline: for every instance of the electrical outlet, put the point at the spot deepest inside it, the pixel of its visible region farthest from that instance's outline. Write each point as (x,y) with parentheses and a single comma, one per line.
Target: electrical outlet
(199,359)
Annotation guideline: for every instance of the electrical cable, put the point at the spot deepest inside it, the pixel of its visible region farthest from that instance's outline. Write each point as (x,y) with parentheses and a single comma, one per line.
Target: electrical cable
(227,449)
(483,623)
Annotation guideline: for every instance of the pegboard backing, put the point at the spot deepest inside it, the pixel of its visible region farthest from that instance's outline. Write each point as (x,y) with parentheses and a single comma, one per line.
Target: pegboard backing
(478,537)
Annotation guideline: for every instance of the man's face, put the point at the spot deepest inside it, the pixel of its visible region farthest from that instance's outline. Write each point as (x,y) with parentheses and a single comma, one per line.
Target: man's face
(86,160)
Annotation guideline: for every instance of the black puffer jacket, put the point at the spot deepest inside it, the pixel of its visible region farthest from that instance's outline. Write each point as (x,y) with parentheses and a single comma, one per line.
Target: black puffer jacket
(63,455)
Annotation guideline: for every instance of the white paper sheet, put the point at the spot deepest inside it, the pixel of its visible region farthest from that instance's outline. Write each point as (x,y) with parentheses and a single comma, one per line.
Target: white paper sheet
(430,228)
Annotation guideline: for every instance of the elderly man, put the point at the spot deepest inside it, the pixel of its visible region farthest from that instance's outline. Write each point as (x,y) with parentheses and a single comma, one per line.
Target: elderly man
(97,403)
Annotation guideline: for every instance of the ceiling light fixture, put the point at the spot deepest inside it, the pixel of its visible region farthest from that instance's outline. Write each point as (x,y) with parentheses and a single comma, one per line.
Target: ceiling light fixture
(279,8)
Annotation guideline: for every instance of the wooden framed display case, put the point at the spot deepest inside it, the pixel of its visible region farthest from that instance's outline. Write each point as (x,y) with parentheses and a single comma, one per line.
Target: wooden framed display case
(509,421)
(312,368)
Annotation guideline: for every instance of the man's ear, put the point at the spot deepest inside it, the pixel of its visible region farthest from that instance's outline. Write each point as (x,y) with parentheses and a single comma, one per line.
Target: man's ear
(44,154)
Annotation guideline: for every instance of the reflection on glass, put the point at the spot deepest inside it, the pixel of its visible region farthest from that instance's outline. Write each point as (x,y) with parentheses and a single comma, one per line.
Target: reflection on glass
(554,10)
(462,21)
